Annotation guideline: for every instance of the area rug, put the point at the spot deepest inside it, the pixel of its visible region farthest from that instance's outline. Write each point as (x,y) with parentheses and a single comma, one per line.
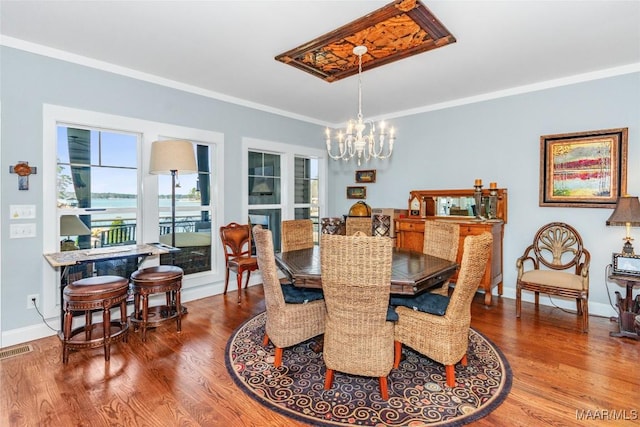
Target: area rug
(418,394)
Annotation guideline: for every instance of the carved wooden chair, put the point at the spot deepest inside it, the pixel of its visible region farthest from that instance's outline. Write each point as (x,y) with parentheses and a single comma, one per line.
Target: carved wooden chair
(296,234)
(287,324)
(356,280)
(441,239)
(445,338)
(556,263)
(236,244)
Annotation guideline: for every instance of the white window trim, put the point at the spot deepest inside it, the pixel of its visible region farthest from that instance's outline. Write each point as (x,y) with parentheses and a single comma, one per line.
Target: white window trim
(288,154)
(150,131)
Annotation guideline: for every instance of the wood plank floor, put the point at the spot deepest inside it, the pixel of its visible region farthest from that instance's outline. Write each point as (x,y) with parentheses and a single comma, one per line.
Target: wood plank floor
(181,379)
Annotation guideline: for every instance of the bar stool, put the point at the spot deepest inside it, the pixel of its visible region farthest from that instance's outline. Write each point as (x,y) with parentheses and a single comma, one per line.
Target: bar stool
(94,293)
(153,280)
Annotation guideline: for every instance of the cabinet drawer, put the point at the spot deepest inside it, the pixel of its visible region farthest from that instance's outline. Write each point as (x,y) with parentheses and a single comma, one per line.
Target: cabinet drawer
(409,226)
(475,229)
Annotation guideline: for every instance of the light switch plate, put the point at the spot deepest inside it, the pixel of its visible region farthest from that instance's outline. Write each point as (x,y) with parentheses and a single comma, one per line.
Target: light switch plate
(22,211)
(22,231)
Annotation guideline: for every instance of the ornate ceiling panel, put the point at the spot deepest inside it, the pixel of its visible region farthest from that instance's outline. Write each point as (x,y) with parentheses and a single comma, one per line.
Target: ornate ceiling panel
(395,31)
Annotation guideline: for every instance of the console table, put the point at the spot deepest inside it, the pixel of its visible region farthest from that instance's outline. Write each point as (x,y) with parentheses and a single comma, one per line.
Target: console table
(626,310)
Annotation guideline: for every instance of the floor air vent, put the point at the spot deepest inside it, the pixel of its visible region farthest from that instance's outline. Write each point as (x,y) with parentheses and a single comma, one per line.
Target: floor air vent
(10,352)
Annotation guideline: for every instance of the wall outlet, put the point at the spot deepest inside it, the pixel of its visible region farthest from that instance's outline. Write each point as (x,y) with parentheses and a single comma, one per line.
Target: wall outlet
(30,300)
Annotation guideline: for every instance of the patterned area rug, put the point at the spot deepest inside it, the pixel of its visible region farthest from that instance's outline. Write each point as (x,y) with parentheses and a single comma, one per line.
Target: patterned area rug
(418,394)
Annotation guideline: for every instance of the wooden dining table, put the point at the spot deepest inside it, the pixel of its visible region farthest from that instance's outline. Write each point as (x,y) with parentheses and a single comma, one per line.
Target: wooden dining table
(411,272)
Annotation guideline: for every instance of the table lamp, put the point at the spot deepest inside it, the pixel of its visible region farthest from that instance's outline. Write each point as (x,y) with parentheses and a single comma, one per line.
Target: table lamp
(627,213)
(171,157)
(71,225)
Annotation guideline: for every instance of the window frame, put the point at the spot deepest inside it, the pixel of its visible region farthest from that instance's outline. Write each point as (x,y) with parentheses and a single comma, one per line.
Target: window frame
(147,210)
(288,153)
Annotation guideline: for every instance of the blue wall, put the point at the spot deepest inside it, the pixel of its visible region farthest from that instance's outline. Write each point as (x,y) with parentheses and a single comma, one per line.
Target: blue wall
(496,140)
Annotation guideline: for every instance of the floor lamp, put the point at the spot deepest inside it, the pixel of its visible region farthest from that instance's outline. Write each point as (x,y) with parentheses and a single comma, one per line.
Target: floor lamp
(171,157)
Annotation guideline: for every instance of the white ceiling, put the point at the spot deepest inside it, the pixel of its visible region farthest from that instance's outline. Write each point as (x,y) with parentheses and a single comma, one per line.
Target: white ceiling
(226,49)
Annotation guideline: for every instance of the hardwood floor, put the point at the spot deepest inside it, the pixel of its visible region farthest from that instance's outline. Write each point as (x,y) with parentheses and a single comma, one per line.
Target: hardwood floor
(559,374)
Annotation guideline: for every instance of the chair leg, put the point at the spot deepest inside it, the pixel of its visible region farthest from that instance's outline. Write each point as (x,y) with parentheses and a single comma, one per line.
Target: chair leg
(397,354)
(384,389)
(579,305)
(265,340)
(328,379)
(518,300)
(277,361)
(246,284)
(239,279)
(537,298)
(450,372)
(585,316)
(464,360)
(226,281)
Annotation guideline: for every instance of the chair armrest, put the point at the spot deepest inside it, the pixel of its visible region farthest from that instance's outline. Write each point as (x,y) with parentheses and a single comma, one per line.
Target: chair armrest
(520,262)
(583,268)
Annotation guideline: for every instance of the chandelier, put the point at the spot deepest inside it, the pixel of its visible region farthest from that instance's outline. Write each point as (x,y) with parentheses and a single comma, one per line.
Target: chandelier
(357,140)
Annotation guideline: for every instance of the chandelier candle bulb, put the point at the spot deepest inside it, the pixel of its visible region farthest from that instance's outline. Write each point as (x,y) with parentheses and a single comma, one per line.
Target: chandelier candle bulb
(493,185)
(478,182)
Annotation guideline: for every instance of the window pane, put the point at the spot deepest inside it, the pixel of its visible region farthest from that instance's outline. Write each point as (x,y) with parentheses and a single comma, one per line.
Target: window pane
(269,219)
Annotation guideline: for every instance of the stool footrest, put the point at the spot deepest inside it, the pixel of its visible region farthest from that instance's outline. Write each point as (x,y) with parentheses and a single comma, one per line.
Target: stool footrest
(117,331)
(158,314)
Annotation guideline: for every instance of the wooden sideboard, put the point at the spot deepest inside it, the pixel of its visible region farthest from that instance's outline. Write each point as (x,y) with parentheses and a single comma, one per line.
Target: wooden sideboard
(410,235)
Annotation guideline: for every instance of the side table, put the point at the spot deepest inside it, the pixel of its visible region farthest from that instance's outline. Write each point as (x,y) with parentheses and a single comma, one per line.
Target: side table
(627,309)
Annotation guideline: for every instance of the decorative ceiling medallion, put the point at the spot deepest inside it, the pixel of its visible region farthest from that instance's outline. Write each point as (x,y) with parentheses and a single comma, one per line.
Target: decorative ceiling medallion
(398,30)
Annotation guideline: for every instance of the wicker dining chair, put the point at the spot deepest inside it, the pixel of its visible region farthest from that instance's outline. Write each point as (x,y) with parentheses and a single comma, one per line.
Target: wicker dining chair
(445,338)
(356,280)
(441,239)
(236,243)
(296,234)
(363,224)
(556,263)
(287,324)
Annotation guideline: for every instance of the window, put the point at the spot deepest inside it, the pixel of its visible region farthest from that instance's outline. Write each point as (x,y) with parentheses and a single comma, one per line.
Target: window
(98,174)
(283,182)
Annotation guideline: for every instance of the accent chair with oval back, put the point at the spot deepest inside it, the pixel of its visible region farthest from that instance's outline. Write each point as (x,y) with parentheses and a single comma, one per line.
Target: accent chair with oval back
(556,263)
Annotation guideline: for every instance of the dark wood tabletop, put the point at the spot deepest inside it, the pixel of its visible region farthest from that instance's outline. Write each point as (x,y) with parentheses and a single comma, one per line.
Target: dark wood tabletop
(412,272)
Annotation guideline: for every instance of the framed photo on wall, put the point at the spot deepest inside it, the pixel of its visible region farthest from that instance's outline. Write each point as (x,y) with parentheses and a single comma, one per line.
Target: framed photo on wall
(583,169)
(356,192)
(368,176)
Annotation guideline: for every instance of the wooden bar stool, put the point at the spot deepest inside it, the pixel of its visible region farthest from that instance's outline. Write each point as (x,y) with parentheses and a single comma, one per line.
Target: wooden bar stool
(153,280)
(94,293)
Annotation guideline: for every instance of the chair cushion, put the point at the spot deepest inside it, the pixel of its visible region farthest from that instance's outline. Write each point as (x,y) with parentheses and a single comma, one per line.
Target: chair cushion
(392,316)
(426,302)
(293,295)
(556,279)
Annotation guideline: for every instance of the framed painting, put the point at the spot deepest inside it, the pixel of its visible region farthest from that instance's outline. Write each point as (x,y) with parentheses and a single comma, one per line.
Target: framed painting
(356,192)
(366,176)
(583,169)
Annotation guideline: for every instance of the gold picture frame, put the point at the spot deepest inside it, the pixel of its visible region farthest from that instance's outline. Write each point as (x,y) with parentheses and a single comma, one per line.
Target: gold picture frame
(366,176)
(583,169)
(356,192)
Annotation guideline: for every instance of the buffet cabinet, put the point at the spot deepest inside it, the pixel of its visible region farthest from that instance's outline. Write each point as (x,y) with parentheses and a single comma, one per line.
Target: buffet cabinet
(459,206)
(410,235)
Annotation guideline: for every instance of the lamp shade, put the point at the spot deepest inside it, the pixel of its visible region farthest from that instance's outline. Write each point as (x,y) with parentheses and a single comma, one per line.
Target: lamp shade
(172,155)
(627,211)
(70,225)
